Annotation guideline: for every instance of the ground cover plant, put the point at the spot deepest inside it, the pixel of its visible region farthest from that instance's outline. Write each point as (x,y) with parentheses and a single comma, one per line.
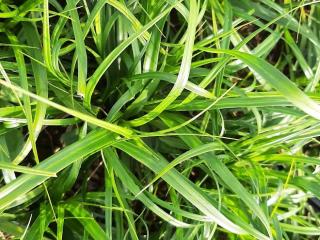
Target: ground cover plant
(168,119)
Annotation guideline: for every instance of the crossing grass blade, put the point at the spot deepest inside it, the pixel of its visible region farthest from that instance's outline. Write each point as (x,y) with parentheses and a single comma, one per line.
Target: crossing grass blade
(278,80)
(94,79)
(183,72)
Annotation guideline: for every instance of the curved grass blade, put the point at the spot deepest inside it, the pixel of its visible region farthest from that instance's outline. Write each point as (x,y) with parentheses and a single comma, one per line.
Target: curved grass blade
(277,80)
(156,163)
(112,127)
(90,144)
(105,64)
(183,76)
(127,181)
(80,49)
(220,168)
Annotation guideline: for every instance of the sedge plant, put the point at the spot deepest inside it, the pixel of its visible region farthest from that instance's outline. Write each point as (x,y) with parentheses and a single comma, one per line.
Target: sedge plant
(176,119)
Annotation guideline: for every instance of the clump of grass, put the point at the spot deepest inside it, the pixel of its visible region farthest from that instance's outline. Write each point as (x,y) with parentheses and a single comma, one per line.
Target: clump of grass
(159,119)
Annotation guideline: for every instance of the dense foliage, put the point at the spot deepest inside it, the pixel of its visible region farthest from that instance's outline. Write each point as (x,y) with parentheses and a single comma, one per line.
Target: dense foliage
(189,119)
